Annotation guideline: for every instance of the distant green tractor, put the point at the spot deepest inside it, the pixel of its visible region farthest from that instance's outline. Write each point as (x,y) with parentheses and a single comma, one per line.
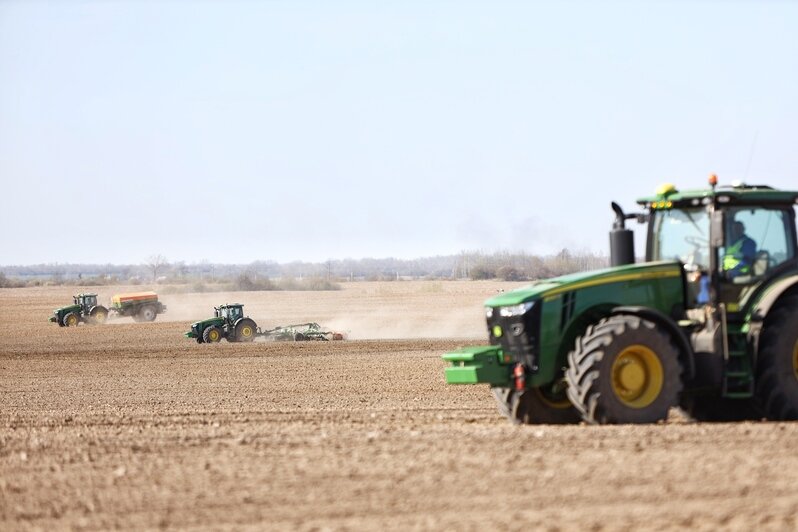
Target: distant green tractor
(84,309)
(709,322)
(228,322)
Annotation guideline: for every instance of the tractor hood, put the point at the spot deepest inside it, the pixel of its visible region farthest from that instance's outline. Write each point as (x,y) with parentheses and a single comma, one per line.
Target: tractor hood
(551,287)
(207,323)
(68,308)
(198,326)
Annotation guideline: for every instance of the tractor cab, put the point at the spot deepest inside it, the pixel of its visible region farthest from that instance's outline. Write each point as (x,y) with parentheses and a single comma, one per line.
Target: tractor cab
(231,313)
(86,301)
(729,239)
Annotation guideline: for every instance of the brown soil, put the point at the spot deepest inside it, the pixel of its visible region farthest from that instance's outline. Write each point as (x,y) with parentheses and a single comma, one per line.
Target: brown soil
(133,426)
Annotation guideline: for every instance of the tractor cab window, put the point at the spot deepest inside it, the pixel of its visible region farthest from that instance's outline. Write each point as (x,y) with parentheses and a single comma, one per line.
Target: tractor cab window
(90,301)
(233,313)
(757,239)
(681,235)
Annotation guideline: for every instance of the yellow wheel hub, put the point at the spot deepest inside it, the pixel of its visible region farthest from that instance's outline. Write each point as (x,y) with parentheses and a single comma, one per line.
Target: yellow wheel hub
(637,376)
(213,335)
(246,332)
(71,321)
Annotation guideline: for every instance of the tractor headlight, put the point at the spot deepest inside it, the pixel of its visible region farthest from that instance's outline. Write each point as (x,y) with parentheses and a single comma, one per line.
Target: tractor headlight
(489,312)
(516,310)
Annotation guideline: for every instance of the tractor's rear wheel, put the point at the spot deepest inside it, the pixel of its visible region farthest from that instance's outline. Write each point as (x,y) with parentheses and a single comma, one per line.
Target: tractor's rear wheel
(624,369)
(535,406)
(71,320)
(99,315)
(245,330)
(777,362)
(211,335)
(147,313)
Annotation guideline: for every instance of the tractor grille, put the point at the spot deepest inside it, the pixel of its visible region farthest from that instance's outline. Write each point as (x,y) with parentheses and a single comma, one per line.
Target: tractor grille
(519,336)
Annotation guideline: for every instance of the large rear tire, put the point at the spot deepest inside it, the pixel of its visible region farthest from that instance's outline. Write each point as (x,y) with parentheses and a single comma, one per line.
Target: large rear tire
(245,330)
(71,320)
(99,315)
(624,369)
(535,406)
(777,362)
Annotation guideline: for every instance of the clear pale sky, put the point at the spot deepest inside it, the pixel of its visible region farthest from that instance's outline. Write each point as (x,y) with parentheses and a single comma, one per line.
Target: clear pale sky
(294,130)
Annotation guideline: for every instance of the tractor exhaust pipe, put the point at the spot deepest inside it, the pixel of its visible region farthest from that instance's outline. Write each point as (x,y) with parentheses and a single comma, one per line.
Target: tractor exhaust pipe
(622,241)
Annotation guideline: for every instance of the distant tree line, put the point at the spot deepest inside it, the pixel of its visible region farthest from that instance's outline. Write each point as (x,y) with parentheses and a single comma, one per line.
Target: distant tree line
(297,275)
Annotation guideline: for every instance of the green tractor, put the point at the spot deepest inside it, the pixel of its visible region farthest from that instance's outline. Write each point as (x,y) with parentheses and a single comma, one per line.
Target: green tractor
(708,323)
(84,309)
(228,322)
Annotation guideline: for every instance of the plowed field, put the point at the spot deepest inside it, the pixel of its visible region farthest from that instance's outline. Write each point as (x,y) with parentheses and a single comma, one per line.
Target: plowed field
(130,425)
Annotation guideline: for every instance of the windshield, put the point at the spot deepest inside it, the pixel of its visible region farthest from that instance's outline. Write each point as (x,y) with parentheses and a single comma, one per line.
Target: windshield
(680,235)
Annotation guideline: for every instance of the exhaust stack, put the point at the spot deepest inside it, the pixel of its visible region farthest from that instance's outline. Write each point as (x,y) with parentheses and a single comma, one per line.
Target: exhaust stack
(622,242)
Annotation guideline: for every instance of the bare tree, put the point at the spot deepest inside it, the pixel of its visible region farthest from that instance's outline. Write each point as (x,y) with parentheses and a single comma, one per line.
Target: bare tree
(156,263)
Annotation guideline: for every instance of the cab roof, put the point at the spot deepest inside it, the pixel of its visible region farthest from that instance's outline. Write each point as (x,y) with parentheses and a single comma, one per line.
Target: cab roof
(667,196)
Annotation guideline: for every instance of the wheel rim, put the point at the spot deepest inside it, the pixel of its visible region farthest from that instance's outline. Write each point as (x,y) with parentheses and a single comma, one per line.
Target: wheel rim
(71,321)
(213,335)
(100,317)
(637,376)
(246,331)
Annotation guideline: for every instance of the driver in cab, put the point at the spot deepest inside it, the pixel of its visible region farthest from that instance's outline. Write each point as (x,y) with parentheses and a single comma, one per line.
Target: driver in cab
(740,253)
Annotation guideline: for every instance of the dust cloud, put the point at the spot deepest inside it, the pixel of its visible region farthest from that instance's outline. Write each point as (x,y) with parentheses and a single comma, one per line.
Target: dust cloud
(361,311)
(387,325)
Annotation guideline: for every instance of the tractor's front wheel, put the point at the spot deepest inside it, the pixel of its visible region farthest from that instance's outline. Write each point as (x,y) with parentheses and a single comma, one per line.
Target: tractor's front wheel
(211,335)
(777,363)
(71,320)
(535,406)
(245,330)
(624,369)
